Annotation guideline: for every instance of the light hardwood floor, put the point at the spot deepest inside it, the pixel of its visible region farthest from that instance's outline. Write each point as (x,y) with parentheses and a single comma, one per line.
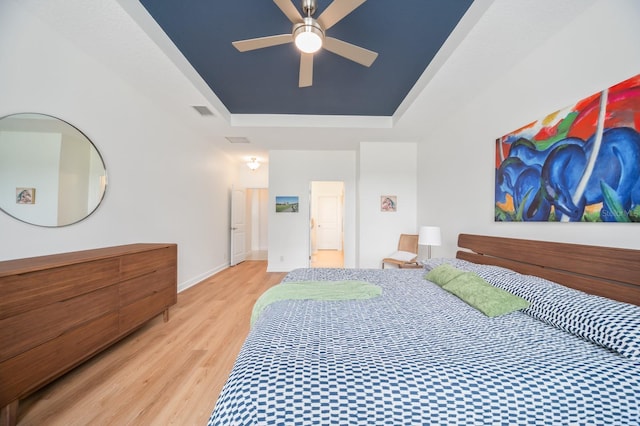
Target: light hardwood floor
(164,373)
(327,259)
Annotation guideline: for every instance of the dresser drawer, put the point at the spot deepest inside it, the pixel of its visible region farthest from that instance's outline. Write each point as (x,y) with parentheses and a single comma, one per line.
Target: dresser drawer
(136,264)
(37,326)
(146,285)
(24,292)
(27,371)
(134,314)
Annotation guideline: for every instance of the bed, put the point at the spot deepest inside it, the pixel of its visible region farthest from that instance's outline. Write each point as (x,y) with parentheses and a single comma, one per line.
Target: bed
(418,354)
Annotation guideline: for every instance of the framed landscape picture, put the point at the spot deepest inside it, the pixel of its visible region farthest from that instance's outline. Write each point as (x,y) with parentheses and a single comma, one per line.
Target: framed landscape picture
(287,204)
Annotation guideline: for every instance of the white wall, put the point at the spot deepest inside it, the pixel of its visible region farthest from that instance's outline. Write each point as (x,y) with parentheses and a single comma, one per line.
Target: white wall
(253,178)
(385,169)
(166,183)
(592,51)
(291,174)
(262,221)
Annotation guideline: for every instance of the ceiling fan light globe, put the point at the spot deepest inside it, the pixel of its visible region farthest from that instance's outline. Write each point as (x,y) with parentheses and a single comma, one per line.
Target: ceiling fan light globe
(308,42)
(308,35)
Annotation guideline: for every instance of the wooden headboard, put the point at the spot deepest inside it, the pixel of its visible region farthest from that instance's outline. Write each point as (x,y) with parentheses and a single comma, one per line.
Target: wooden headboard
(604,271)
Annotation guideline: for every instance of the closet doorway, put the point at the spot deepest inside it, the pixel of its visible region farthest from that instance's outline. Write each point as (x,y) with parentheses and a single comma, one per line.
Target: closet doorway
(257,221)
(248,224)
(326,224)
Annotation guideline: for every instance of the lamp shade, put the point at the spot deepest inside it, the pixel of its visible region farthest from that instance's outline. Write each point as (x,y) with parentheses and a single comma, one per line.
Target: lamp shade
(429,236)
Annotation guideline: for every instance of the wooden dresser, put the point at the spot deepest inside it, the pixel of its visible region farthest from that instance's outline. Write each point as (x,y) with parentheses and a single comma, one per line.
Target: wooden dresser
(57,311)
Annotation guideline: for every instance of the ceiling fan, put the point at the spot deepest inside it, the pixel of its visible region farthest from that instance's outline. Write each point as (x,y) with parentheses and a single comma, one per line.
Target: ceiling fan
(309,36)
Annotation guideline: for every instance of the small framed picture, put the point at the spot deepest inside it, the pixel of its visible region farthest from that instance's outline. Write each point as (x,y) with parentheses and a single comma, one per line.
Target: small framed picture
(25,195)
(388,203)
(287,204)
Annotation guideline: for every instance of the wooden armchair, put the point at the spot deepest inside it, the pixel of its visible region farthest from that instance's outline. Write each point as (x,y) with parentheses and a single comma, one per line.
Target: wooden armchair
(407,245)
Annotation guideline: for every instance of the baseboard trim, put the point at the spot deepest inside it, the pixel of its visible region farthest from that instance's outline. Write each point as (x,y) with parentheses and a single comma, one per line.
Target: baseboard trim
(198,279)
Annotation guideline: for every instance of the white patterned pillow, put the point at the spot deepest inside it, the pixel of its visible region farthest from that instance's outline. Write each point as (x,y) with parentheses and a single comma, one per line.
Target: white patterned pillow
(608,323)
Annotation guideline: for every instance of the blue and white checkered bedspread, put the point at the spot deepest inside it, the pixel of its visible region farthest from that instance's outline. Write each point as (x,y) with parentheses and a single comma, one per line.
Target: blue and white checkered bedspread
(417,355)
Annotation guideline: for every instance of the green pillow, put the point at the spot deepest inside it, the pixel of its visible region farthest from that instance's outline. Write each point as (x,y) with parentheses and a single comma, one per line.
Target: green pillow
(442,274)
(491,301)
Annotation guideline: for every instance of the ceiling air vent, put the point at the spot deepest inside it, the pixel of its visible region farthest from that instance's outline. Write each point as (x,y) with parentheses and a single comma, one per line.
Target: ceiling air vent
(203,110)
(237,139)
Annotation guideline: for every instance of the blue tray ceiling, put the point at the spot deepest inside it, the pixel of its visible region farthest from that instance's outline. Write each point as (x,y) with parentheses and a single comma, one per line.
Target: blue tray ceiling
(406,34)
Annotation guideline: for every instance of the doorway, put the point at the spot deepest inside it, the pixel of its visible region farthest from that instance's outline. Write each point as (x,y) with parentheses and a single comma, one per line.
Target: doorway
(248,224)
(326,224)
(257,220)
(237,251)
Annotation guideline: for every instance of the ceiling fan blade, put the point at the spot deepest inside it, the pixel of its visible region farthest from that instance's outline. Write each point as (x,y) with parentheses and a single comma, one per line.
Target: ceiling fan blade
(337,10)
(261,42)
(350,51)
(306,70)
(289,9)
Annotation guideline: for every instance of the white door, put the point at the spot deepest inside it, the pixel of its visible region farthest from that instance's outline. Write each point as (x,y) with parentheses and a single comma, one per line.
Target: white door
(329,227)
(238,214)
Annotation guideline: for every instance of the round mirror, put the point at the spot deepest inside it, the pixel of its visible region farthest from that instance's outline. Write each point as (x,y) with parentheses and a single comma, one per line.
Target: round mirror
(51,174)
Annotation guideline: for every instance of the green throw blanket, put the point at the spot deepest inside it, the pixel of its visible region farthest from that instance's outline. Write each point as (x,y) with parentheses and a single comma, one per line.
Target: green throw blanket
(315,290)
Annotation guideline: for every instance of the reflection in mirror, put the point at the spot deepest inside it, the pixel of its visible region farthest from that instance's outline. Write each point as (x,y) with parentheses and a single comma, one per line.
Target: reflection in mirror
(51,174)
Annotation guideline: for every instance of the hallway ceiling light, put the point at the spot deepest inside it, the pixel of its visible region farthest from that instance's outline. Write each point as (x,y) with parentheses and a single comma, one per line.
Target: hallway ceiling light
(253,164)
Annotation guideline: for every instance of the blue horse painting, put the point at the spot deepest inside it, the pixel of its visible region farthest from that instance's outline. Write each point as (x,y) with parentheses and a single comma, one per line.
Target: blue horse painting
(579,164)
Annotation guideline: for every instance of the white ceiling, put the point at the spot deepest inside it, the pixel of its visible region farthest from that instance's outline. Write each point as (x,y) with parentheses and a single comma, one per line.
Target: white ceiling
(121,36)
